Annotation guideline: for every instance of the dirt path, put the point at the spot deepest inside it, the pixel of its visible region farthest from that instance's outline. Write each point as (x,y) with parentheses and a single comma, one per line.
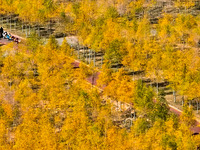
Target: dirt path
(4,41)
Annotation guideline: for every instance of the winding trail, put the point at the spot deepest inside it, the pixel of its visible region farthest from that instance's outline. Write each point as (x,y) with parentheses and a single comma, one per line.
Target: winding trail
(93,80)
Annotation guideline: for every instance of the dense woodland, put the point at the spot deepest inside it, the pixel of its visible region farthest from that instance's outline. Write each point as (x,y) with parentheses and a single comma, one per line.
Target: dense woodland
(46,103)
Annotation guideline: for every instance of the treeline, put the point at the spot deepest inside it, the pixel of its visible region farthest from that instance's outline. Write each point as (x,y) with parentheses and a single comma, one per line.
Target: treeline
(45,103)
(48,104)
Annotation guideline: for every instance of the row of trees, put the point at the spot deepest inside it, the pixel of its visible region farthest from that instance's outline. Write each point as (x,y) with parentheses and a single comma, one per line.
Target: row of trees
(47,104)
(30,11)
(80,13)
(44,96)
(168,50)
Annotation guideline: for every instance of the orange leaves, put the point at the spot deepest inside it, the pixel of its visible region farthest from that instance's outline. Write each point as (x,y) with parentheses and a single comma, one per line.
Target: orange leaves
(7,110)
(121,87)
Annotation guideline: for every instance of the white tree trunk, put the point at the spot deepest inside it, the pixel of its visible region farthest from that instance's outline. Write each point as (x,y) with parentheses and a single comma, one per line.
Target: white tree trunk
(38,31)
(10,23)
(15,25)
(101,61)
(22,27)
(94,59)
(90,56)
(83,51)
(182,100)
(86,55)
(78,52)
(26,31)
(174,94)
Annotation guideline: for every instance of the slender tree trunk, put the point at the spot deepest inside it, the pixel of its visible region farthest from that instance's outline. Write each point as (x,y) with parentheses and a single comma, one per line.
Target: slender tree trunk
(83,52)
(7,22)
(29,29)
(174,94)
(26,31)
(22,26)
(86,55)
(10,23)
(15,25)
(101,60)
(38,30)
(90,56)
(134,115)
(151,84)
(78,52)
(182,100)
(50,26)
(85,58)
(157,87)
(197,106)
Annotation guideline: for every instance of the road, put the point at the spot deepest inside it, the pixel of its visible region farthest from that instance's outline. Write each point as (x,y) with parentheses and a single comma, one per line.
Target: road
(4,41)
